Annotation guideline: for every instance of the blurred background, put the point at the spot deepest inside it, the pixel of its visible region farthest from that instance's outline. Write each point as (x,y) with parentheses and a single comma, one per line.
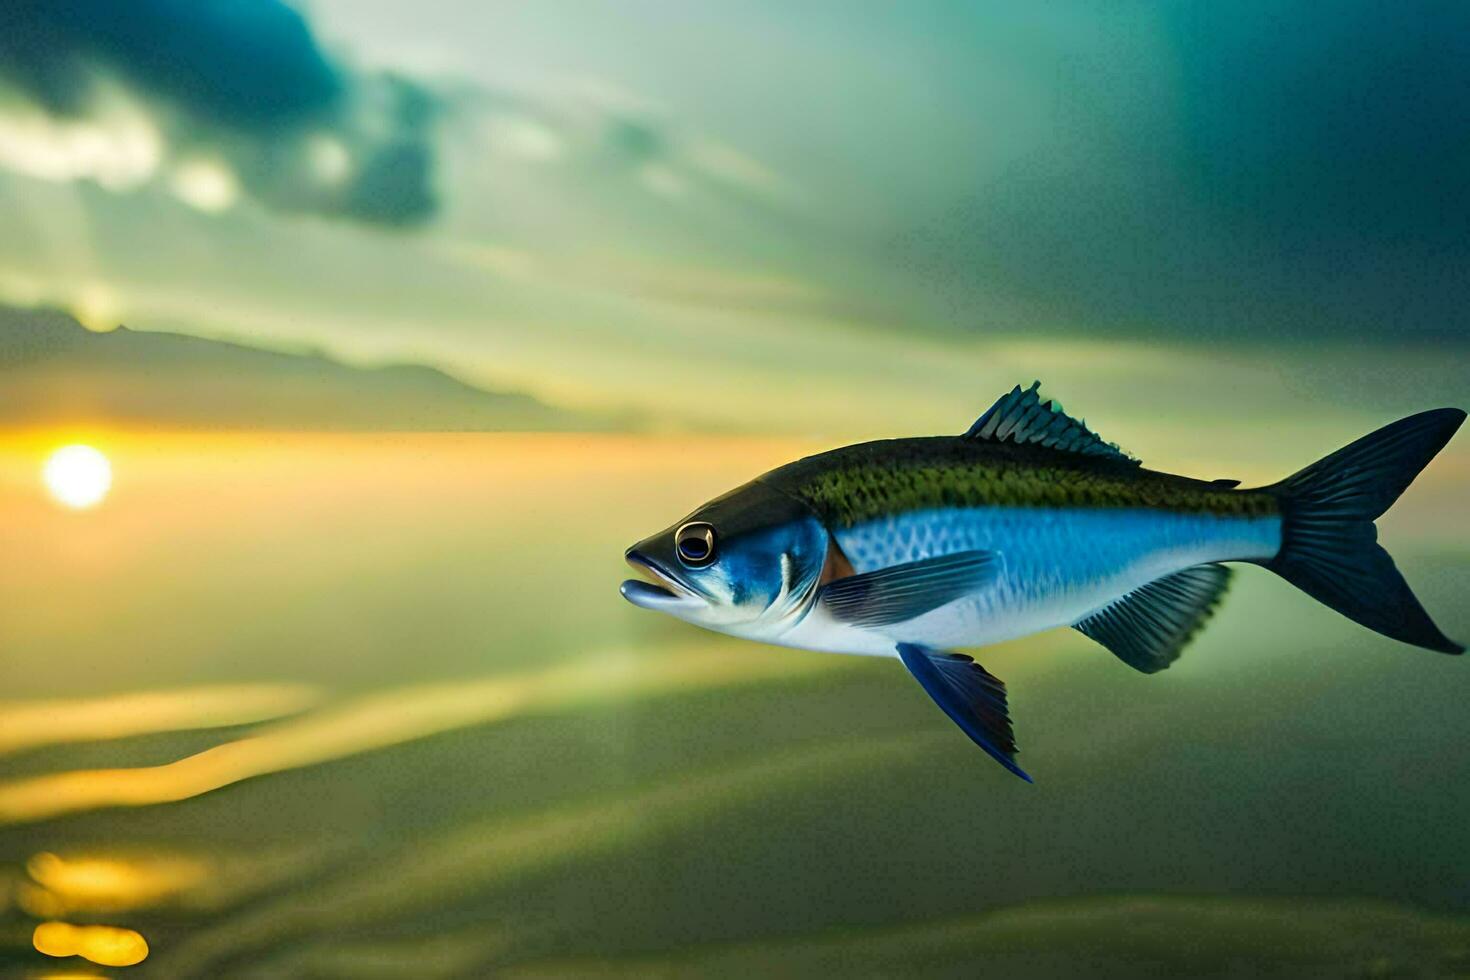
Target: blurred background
(345,345)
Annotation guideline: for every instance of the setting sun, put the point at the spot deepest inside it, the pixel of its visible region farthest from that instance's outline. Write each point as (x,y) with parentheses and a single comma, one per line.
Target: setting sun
(78,476)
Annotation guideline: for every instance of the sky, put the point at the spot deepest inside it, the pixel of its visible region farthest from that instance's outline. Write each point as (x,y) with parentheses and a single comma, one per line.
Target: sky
(701,212)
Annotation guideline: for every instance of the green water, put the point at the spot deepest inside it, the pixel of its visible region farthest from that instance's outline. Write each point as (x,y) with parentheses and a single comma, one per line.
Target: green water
(487,763)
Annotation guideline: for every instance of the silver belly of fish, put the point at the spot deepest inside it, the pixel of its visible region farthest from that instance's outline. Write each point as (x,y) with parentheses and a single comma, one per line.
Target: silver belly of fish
(1056,567)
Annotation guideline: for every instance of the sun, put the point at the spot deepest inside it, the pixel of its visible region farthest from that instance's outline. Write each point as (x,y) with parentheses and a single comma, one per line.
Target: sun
(77,476)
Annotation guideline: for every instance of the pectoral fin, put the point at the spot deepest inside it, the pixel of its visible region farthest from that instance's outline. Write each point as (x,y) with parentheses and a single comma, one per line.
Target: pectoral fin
(903,592)
(1148,628)
(973,698)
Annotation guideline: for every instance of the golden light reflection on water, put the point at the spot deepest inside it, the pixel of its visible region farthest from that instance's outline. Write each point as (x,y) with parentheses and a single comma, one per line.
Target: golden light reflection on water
(380,720)
(67,885)
(86,885)
(64,886)
(500,850)
(29,724)
(103,945)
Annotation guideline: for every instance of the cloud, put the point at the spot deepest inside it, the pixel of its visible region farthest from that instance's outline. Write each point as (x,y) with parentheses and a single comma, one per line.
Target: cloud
(221,98)
(609,133)
(670,161)
(1218,172)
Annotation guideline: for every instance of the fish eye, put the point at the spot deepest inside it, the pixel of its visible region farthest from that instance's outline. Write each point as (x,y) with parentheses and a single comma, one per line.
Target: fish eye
(695,543)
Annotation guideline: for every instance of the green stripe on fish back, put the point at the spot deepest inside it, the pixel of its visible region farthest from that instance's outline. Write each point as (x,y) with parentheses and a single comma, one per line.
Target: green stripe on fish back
(860,483)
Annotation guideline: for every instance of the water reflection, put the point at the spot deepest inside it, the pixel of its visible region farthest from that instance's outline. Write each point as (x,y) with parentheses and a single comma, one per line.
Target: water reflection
(675,804)
(381,720)
(103,945)
(499,853)
(63,886)
(31,724)
(1114,936)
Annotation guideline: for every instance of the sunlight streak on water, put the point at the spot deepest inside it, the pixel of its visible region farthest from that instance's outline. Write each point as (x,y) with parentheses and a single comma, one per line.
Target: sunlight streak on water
(380,720)
(108,884)
(497,852)
(29,724)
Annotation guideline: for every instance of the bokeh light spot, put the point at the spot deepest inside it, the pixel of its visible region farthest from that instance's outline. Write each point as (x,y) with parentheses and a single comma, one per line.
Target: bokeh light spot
(103,945)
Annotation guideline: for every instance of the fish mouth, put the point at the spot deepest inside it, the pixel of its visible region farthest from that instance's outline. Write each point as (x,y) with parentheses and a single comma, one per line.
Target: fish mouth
(664,592)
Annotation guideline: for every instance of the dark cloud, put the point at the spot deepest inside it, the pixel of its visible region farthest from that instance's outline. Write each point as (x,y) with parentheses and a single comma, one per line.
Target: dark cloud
(636,140)
(1244,168)
(244,81)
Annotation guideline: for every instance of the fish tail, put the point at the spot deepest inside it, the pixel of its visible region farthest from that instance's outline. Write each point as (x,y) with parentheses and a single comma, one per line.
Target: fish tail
(1329,545)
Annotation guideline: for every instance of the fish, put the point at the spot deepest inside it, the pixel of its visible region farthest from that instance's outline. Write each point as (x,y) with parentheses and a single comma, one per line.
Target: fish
(1028,521)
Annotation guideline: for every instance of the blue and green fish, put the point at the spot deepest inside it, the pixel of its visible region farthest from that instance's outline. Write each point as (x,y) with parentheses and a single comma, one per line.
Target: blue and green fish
(1028,521)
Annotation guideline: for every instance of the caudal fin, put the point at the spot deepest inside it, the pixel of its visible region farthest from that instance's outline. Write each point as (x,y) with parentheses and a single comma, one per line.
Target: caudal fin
(1329,546)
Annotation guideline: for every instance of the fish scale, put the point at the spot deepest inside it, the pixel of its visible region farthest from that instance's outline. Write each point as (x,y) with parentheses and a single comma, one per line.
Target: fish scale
(1057,565)
(872,480)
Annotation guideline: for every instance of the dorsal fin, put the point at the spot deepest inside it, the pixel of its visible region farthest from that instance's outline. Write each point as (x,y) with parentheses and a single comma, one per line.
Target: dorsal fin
(1023,418)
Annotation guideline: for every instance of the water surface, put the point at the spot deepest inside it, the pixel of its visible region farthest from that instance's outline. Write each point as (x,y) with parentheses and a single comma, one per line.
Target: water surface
(371,706)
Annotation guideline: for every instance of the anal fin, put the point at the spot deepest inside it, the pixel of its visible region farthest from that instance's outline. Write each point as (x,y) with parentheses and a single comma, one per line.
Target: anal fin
(1149,627)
